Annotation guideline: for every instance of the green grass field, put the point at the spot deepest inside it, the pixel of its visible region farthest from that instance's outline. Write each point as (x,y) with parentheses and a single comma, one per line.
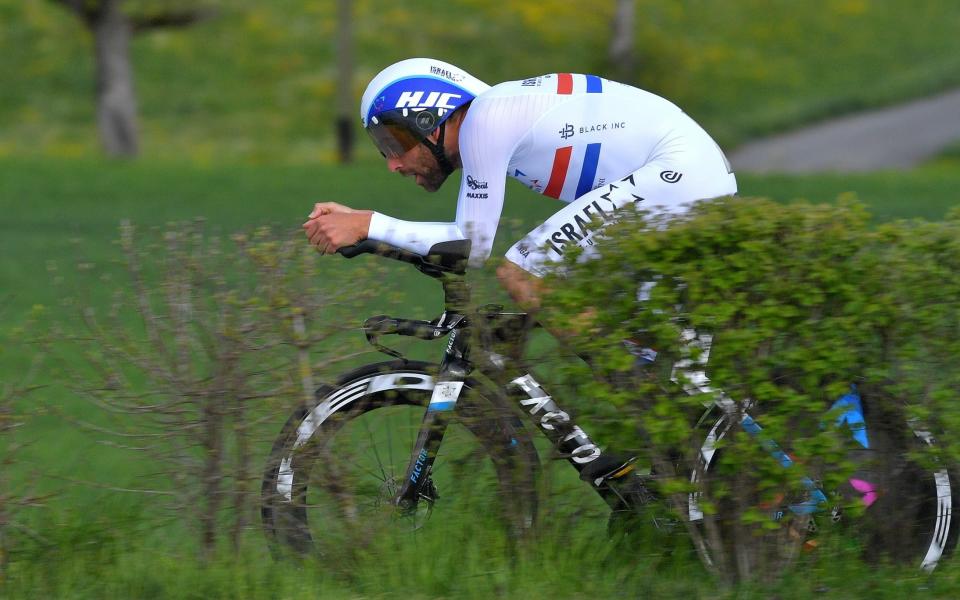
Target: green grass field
(256,83)
(92,540)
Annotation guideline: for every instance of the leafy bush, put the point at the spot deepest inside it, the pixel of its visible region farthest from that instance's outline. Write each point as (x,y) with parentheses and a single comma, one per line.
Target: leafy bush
(801,301)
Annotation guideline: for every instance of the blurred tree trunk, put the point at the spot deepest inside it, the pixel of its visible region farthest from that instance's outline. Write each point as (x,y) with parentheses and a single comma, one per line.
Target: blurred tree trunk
(345,101)
(112,31)
(116,99)
(621,52)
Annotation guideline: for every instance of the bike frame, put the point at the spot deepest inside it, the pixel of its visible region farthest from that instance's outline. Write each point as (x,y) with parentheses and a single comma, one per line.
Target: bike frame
(570,440)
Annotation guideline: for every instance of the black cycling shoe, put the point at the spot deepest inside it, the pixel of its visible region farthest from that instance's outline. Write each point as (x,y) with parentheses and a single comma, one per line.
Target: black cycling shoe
(619,476)
(605,468)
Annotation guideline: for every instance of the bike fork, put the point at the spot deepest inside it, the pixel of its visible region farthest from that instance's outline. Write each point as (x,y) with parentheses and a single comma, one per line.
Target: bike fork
(446,392)
(415,483)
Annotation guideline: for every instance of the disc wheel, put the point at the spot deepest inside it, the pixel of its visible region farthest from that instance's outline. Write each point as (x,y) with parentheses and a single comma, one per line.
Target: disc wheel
(901,505)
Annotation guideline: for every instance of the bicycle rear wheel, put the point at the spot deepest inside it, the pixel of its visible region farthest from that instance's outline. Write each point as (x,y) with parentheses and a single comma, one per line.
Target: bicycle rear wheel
(909,502)
(336,465)
(910,517)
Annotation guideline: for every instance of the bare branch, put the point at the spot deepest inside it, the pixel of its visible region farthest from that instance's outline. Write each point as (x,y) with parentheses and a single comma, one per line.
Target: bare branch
(114,488)
(88,12)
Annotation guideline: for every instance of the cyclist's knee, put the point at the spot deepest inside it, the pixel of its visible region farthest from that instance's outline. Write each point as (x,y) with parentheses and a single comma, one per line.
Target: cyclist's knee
(523,287)
(505,272)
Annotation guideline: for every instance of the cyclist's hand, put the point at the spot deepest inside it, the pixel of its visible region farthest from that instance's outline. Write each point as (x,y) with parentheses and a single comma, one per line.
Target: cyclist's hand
(329,232)
(326,208)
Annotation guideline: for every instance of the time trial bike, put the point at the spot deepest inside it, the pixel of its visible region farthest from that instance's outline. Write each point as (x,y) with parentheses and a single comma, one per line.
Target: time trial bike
(401,441)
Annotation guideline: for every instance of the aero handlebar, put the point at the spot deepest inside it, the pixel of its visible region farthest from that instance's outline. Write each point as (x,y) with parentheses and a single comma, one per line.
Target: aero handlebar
(443,258)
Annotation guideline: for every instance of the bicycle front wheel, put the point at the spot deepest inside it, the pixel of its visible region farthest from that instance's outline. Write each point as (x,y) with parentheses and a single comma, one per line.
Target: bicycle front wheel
(336,465)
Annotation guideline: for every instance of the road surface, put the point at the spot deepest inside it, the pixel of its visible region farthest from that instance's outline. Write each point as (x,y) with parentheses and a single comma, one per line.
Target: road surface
(897,137)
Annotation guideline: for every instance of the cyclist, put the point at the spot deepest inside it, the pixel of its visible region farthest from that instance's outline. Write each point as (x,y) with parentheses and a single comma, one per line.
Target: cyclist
(596,144)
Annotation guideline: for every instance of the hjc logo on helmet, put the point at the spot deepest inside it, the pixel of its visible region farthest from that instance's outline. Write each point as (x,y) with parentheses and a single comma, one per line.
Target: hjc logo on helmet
(433,100)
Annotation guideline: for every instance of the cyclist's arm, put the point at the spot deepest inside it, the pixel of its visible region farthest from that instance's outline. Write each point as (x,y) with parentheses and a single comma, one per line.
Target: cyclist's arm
(485,150)
(478,212)
(416,236)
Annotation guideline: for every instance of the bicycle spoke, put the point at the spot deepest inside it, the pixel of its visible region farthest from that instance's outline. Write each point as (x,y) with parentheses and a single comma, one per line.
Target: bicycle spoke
(376,454)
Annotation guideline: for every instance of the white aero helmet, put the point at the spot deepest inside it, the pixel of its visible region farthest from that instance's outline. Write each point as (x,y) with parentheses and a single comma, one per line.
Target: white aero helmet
(406,101)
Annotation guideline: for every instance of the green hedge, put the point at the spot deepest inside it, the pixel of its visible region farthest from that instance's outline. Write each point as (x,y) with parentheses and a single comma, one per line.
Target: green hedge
(802,301)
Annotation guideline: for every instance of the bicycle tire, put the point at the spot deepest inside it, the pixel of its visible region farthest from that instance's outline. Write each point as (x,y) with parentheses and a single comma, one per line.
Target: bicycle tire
(909,519)
(293,492)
